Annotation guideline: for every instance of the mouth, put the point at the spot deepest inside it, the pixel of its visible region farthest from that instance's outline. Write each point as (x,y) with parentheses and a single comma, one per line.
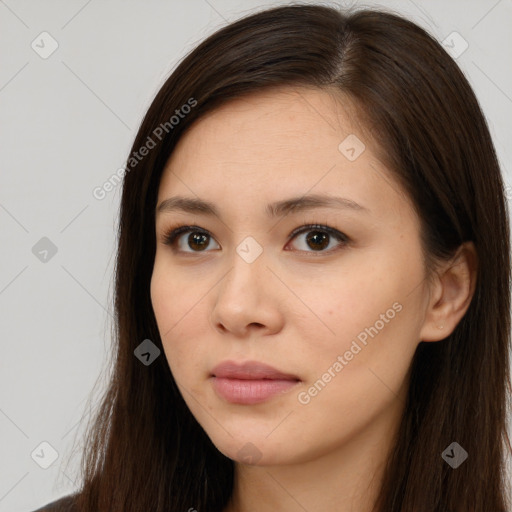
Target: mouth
(251,382)
(248,391)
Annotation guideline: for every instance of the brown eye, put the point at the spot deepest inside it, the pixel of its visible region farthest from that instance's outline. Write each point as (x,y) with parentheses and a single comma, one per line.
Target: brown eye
(319,237)
(318,240)
(197,240)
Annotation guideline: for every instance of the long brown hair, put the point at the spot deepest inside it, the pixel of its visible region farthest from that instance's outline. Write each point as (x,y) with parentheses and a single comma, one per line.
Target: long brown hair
(144,450)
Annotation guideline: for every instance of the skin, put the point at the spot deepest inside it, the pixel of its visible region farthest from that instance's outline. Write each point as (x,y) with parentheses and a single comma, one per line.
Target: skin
(298,306)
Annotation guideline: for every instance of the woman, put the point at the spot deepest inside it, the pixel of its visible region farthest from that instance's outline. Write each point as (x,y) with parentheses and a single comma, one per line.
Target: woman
(312,281)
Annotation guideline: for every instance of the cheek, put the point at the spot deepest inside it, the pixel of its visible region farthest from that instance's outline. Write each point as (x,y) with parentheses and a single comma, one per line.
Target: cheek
(166,309)
(366,362)
(177,314)
(366,312)
(170,299)
(343,305)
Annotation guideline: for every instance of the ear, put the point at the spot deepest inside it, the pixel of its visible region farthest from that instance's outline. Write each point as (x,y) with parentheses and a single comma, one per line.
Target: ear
(451,294)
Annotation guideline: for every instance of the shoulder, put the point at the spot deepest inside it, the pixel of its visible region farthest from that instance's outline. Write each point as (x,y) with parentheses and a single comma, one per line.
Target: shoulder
(65,504)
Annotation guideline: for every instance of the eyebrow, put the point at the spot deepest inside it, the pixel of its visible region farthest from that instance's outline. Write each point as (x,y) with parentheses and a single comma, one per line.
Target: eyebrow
(277,209)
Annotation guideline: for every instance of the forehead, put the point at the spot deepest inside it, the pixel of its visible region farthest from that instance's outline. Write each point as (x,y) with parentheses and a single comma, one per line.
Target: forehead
(276,143)
(295,118)
(282,127)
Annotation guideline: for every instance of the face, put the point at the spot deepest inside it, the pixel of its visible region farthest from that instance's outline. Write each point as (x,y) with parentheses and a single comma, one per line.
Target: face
(333,295)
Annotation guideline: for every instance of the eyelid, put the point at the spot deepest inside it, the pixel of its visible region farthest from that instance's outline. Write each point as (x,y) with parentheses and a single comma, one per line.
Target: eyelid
(171,235)
(320,227)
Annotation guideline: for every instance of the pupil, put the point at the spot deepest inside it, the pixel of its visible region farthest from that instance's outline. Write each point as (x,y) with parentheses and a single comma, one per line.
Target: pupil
(194,239)
(315,237)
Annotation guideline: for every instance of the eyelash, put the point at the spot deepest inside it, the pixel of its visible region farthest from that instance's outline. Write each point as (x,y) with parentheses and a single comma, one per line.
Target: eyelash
(171,236)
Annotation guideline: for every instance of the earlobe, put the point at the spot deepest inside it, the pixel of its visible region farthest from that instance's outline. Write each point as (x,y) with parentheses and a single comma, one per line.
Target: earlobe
(455,286)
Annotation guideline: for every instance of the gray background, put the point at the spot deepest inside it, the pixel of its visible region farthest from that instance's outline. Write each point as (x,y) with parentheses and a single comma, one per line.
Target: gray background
(68,122)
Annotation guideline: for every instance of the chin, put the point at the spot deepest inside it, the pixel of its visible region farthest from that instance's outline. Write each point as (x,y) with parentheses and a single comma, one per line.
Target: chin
(257,451)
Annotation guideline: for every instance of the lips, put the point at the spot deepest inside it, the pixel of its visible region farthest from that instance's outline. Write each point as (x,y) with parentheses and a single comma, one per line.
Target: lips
(250,382)
(250,370)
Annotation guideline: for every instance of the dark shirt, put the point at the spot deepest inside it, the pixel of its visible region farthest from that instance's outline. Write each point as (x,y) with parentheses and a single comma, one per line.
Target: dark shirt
(65,504)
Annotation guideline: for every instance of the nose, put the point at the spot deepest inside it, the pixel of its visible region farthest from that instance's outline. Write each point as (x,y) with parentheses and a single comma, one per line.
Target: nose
(248,299)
